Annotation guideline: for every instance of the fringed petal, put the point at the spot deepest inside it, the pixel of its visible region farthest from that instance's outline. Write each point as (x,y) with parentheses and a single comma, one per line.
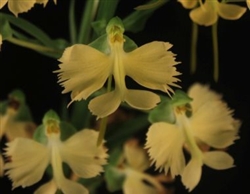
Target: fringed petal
(105,104)
(218,160)
(29,160)
(83,156)
(205,15)
(201,94)
(164,143)
(17,7)
(141,99)
(83,71)
(192,173)
(230,12)
(213,124)
(152,66)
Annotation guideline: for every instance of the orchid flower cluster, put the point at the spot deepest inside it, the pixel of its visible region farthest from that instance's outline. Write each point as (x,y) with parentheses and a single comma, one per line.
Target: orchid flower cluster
(98,140)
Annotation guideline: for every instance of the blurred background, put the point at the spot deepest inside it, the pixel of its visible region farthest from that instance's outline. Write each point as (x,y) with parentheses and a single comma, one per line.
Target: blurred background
(32,73)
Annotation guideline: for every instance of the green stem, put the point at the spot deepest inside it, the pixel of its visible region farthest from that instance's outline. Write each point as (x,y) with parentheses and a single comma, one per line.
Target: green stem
(104,121)
(215,52)
(72,24)
(194,38)
(87,17)
(33,46)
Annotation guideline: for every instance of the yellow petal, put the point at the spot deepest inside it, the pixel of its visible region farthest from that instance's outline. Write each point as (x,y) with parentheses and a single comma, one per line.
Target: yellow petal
(2,3)
(205,15)
(230,12)
(218,160)
(83,71)
(29,160)
(1,165)
(17,7)
(188,4)
(201,94)
(141,99)
(248,4)
(12,128)
(213,123)
(47,188)
(136,156)
(70,187)
(152,66)
(192,173)
(83,156)
(134,183)
(105,104)
(164,143)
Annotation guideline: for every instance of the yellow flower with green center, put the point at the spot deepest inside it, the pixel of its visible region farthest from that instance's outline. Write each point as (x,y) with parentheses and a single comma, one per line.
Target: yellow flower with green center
(211,123)
(207,13)
(29,159)
(20,6)
(84,70)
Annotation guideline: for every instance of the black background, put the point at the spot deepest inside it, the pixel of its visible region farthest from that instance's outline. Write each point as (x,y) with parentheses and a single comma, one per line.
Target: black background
(32,72)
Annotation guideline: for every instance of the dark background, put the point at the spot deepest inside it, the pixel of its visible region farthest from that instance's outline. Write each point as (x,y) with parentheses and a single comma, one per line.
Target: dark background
(32,72)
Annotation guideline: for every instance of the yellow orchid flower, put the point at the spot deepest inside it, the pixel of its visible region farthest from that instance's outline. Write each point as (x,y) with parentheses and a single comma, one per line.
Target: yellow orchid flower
(11,129)
(211,123)
(134,166)
(29,159)
(84,70)
(20,6)
(207,13)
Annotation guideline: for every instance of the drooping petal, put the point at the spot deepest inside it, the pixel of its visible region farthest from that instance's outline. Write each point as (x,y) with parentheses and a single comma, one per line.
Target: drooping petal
(201,94)
(188,4)
(192,173)
(164,143)
(152,66)
(136,156)
(29,160)
(83,156)
(105,104)
(17,7)
(248,4)
(47,188)
(141,99)
(218,160)
(213,124)
(230,12)
(134,183)
(70,187)
(2,3)
(83,71)
(205,15)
